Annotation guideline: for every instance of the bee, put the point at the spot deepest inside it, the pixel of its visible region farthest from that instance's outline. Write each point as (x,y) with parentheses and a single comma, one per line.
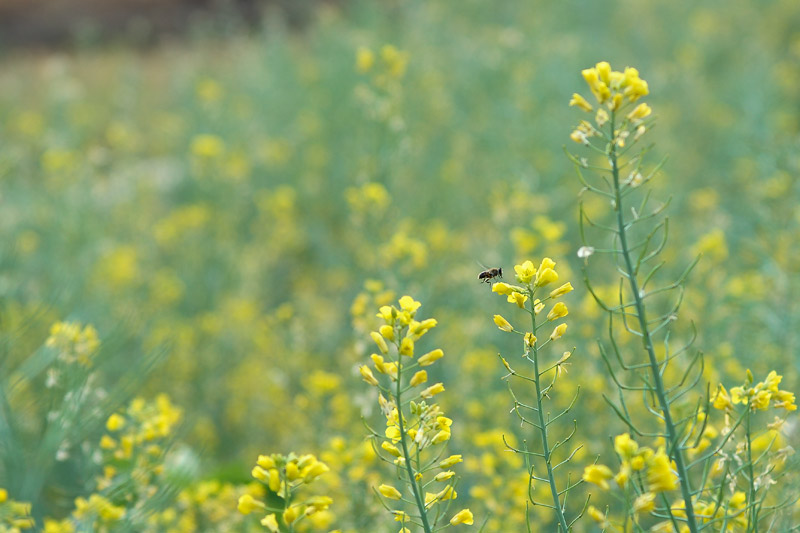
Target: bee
(490,274)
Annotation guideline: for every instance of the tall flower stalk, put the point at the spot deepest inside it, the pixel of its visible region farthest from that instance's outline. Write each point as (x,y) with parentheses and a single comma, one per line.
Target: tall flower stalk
(416,427)
(619,122)
(722,483)
(532,297)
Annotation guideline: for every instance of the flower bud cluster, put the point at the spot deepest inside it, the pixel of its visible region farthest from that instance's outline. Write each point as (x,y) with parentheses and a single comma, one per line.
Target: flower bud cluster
(400,370)
(285,476)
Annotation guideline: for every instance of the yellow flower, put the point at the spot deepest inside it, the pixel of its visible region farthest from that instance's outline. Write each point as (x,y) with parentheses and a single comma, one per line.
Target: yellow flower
(636,89)
(545,264)
(784,399)
(644,503)
(450,461)
(292,471)
(545,277)
(558,311)
(265,461)
(58,526)
(738,395)
(525,272)
(602,117)
(365,58)
(590,75)
(558,332)
(760,400)
(462,517)
(441,436)
(407,303)
(368,376)
(395,60)
(660,477)
(580,101)
(502,288)
(378,362)
(386,312)
(3,495)
(639,112)
(387,332)
(320,503)
(115,422)
(597,515)
(562,290)
(260,474)
(390,448)
(430,357)
(380,341)
(722,400)
(418,329)
(248,504)
(772,381)
(432,391)
(625,446)
(207,146)
(291,514)
(502,323)
(530,340)
(579,137)
(604,71)
(419,378)
(274,480)
(518,298)
(444,476)
(407,347)
(598,474)
(390,492)
(623,475)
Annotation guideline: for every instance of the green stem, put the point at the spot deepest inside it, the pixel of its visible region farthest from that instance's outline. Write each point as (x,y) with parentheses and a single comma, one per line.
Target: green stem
(562,521)
(406,456)
(752,518)
(658,382)
(287,500)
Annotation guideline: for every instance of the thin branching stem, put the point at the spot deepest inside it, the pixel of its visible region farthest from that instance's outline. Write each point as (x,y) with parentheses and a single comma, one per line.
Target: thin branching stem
(658,382)
(407,457)
(562,521)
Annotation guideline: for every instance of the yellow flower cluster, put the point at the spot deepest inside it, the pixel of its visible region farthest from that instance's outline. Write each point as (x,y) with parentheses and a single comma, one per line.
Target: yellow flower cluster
(652,469)
(613,91)
(14,516)
(425,425)
(98,507)
(285,475)
(533,279)
(141,424)
(730,512)
(391,61)
(205,504)
(611,87)
(135,442)
(74,342)
(758,396)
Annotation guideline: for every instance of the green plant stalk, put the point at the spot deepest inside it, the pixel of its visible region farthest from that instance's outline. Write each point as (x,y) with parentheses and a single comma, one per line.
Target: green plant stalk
(406,456)
(752,517)
(543,427)
(658,382)
(287,500)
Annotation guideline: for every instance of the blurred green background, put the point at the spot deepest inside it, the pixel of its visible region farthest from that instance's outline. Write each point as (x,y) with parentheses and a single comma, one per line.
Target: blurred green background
(230,206)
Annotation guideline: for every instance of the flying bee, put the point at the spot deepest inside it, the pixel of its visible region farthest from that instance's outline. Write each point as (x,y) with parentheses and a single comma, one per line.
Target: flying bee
(490,274)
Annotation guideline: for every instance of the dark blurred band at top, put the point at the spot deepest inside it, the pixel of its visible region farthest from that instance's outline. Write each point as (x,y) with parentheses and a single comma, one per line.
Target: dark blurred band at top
(66,22)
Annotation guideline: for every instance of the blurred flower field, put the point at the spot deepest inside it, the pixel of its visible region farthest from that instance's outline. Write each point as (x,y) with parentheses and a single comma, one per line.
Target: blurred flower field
(195,240)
